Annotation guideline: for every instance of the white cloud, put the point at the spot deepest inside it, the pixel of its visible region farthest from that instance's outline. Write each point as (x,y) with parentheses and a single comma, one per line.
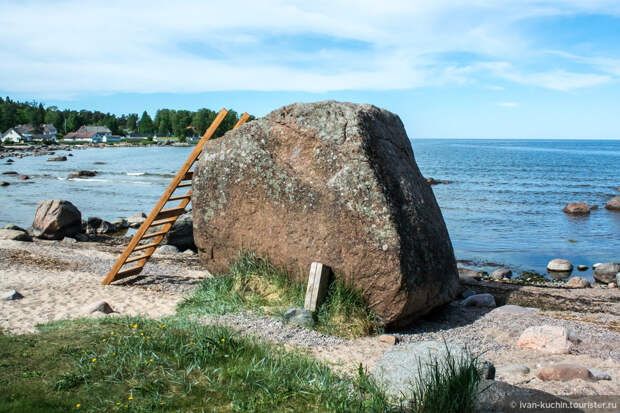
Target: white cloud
(68,47)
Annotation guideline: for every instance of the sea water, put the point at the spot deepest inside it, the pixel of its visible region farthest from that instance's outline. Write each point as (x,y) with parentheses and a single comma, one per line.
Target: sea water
(504,205)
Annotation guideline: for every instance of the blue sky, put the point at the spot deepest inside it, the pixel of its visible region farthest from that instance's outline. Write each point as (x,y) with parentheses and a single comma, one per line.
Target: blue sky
(450,69)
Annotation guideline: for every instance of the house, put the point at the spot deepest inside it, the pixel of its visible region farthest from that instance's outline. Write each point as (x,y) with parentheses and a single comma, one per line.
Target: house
(94,134)
(27,133)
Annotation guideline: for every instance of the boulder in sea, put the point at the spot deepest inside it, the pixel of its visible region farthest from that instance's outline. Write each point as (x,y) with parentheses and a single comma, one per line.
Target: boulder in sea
(577,208)
(500,274)
(606,272)
(9,173)
(547,338)
(582,267)
(82,174)
(330,182)
(560,265)
(23,177)
(433,181)
(96,225)
(136,220)
(57,159)
(578,282)
(181,235)
(14,235)
(56,219)
(4,183)
(614,204)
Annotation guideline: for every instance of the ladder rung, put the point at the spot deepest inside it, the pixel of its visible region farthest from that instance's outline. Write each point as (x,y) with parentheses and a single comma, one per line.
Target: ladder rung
(137,258)
(154,234)
(163,221)
(188,175)
(128,273)
(146,246)
(178,198)
(184,185)
(170,212)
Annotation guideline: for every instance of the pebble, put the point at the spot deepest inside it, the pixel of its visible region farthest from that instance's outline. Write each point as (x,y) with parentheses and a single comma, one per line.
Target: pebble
(12,295)
(479,300)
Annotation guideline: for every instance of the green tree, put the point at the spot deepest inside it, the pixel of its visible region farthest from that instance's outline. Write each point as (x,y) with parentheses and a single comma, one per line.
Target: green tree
(74,122)
(182,119)
(162,123)
(146,123)
(202,119)
(132,121)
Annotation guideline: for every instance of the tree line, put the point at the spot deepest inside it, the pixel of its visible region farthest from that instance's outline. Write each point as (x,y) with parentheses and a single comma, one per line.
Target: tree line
(167,122)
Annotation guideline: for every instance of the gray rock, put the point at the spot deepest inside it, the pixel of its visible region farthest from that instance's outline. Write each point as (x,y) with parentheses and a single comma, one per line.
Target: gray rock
(189,252)
(5,183)
(96,225)
(618,279)
(14,227)
(82,174)
(166,250)
(181,235)
(135,221)
(405,365)
(14,235)
(501,273)
(69,240)
(57,159)
(299,316)
(468,293)
(82,238)
(56,219)
(479,300)
(513,370)
(599,375)
(120,223)
(560,265)
(606,272)
(330,182)
(582,267)
(467,272)
(497,396)
(12,295)
(98,307)
(512,310)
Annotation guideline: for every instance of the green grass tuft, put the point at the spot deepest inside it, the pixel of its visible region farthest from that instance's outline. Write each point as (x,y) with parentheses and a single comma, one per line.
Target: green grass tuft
(253,283)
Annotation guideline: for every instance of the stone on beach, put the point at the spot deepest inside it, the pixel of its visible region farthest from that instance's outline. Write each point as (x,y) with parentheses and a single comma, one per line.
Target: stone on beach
(578,282)
(181,234)
(136,220)
(479,300)
(501,273)
(12,295)
(564,372)
(166,250)
(577,208)
(547,338)
(512,370)
(330,182)
(299,316)
(56,219)
(14,235)
(96,225)
(388,339)
(98,307)
(606,272)
(613,204)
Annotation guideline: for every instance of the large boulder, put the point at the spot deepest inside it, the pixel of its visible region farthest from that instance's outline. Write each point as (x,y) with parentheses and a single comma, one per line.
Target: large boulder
(56,219)
(577,208)
(335,183)
(606,272)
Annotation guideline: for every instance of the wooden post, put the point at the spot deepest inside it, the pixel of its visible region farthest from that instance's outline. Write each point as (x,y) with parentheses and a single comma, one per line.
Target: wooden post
(318,281)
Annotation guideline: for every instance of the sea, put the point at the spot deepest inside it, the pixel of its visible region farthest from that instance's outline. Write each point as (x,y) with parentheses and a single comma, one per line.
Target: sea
(503,206)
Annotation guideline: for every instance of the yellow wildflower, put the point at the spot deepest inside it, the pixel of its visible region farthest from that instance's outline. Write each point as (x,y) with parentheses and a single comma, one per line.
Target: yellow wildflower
(223,340)
(78,405)
(151,360)
(130,398)
(94,359)
(104,340)
(118,403)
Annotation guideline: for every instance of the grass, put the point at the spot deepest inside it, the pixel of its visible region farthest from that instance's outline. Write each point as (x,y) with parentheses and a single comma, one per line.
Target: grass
(140,365)
(449,385)
(252,283)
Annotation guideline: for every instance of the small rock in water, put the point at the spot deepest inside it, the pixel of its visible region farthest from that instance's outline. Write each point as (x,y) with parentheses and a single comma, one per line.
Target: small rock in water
(614,204)
(9,173)
(582,267)
(82,174)
(479,300)
(120,223)
(578,282)
(599,375)
(99,307)
(299,316)
(4,183)
(57,159)
(564,372)
(550,339)
(12,295)
(577,208)
(501,273)
(560,265)
(606,272)
(388,339)
(23,177)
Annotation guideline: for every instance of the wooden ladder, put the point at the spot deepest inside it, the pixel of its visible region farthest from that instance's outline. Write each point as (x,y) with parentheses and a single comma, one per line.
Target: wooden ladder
(160,217)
